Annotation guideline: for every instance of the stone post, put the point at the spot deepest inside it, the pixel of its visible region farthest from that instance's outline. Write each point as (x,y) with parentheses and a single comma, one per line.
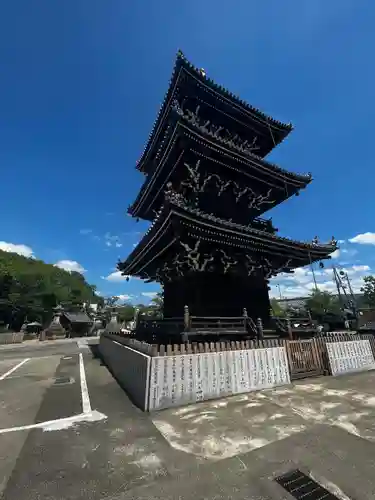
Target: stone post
(186,319)
(113,325)
(260,328)
(136,318)
(56,329)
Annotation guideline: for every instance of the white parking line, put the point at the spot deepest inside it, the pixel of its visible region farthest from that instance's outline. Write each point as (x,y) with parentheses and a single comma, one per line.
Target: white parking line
(88,415)
(86,405)
(59,424)
(9,372)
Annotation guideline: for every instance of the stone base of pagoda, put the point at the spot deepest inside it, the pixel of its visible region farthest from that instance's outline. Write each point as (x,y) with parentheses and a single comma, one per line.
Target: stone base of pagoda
(217,295)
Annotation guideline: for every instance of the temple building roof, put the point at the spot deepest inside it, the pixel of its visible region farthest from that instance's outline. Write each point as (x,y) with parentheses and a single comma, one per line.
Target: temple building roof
(176,223)
(187,138)
(186,77)
(77,317)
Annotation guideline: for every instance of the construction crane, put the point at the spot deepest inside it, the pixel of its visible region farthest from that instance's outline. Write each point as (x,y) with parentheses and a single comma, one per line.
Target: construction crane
(345,291)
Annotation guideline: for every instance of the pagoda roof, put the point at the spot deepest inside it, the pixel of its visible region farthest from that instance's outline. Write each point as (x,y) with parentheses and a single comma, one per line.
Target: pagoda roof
(278,129)
(175,219)
(231,155)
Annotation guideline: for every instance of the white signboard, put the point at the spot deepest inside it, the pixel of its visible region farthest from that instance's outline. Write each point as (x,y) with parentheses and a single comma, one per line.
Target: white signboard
(188,378)
(350,356)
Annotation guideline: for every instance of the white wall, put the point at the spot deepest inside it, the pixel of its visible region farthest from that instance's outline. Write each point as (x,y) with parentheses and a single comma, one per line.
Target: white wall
(183,379)
(131,369)
(350,356)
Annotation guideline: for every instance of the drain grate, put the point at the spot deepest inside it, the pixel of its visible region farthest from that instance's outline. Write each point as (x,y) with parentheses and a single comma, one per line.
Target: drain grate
(62,381)
(303,487)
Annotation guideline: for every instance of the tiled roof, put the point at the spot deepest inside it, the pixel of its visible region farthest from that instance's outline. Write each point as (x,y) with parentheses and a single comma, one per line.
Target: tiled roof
(182,61)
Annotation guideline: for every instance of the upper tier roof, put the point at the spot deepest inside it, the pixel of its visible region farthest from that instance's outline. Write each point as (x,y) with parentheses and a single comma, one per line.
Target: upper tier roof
(175,220)
(183,137)
(250,116)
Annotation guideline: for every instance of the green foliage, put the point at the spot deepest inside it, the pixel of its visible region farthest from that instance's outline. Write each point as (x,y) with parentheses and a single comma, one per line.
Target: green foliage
(276,308)
(30,288)
(368,291)
(320,303)
(125,313)
(157,302)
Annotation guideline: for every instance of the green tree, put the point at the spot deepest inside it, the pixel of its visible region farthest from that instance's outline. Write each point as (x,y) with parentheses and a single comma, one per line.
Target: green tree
(125,313)
(31,288)
(368,291)
(321,302)
(157,302)
(276,308)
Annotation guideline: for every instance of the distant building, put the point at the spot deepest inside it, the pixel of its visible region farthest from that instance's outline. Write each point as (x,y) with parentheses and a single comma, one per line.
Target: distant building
(300,302)
(76,324)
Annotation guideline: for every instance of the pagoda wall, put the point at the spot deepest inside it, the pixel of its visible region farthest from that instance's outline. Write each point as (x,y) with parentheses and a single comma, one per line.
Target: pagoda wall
(212,294)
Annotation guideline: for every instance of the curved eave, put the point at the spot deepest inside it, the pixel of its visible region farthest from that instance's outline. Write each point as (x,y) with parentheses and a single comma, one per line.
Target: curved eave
(252,164)
(319,251)
(160,231)
(182,63)
(269,168)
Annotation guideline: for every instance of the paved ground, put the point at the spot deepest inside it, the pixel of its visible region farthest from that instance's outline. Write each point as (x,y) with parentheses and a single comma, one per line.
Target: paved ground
(82,438)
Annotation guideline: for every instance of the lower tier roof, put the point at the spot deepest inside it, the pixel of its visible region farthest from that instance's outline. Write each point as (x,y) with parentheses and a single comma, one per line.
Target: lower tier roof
(204,239)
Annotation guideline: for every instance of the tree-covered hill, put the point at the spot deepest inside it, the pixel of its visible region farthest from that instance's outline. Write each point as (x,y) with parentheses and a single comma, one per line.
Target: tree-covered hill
(31,288)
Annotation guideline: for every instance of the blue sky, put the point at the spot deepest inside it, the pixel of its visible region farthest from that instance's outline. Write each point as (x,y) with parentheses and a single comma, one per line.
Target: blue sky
(81,83)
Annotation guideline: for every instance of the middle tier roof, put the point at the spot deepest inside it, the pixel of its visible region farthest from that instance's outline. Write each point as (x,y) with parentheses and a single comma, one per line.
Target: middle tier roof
(186,143)
(177,223)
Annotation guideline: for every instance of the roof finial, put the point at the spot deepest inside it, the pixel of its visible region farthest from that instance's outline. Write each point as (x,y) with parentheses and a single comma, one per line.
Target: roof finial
(202,71)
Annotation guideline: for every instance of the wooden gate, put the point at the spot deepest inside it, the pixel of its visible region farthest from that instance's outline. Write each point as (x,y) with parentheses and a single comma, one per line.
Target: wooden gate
(305,358)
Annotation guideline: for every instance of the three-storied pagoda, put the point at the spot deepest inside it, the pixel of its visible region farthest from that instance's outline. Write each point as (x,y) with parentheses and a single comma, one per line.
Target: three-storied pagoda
(207,183)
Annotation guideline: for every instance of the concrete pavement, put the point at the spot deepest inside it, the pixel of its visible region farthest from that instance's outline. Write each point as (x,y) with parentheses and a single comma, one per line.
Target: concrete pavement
(231,448)
(89,458)
(223,428)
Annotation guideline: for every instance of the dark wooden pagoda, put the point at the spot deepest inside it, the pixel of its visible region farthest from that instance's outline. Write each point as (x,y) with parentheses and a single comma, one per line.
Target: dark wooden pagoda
(206,185)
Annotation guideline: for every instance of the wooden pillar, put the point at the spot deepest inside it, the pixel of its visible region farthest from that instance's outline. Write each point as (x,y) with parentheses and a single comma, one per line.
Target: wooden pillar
(310,318)
(289,328)
(186,319)
(245,318)
(260,328)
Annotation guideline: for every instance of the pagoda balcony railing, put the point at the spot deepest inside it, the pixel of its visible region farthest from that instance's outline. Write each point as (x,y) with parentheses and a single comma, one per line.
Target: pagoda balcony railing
(263,225)
(191,324)
(209,323)
(293,325)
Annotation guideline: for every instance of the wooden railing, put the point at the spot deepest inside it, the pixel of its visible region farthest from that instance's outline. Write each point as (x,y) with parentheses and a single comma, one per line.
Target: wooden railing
(237,323)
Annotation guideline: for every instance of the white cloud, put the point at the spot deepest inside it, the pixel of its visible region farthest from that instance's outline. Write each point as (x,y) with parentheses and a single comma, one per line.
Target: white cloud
(123,298)
(16,248)
(361,268)
(116,277)
(70,265)
(364,239)
(149,294)
(300,283)
(349,252)
(112,240)
(85,231)
(335,254)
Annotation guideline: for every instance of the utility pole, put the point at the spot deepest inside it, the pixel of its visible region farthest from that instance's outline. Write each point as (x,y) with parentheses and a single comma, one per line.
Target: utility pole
(313,273)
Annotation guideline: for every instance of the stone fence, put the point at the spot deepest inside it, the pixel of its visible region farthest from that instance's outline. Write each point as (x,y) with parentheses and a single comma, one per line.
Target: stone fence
(11,338)
(158,377)
(130,367)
